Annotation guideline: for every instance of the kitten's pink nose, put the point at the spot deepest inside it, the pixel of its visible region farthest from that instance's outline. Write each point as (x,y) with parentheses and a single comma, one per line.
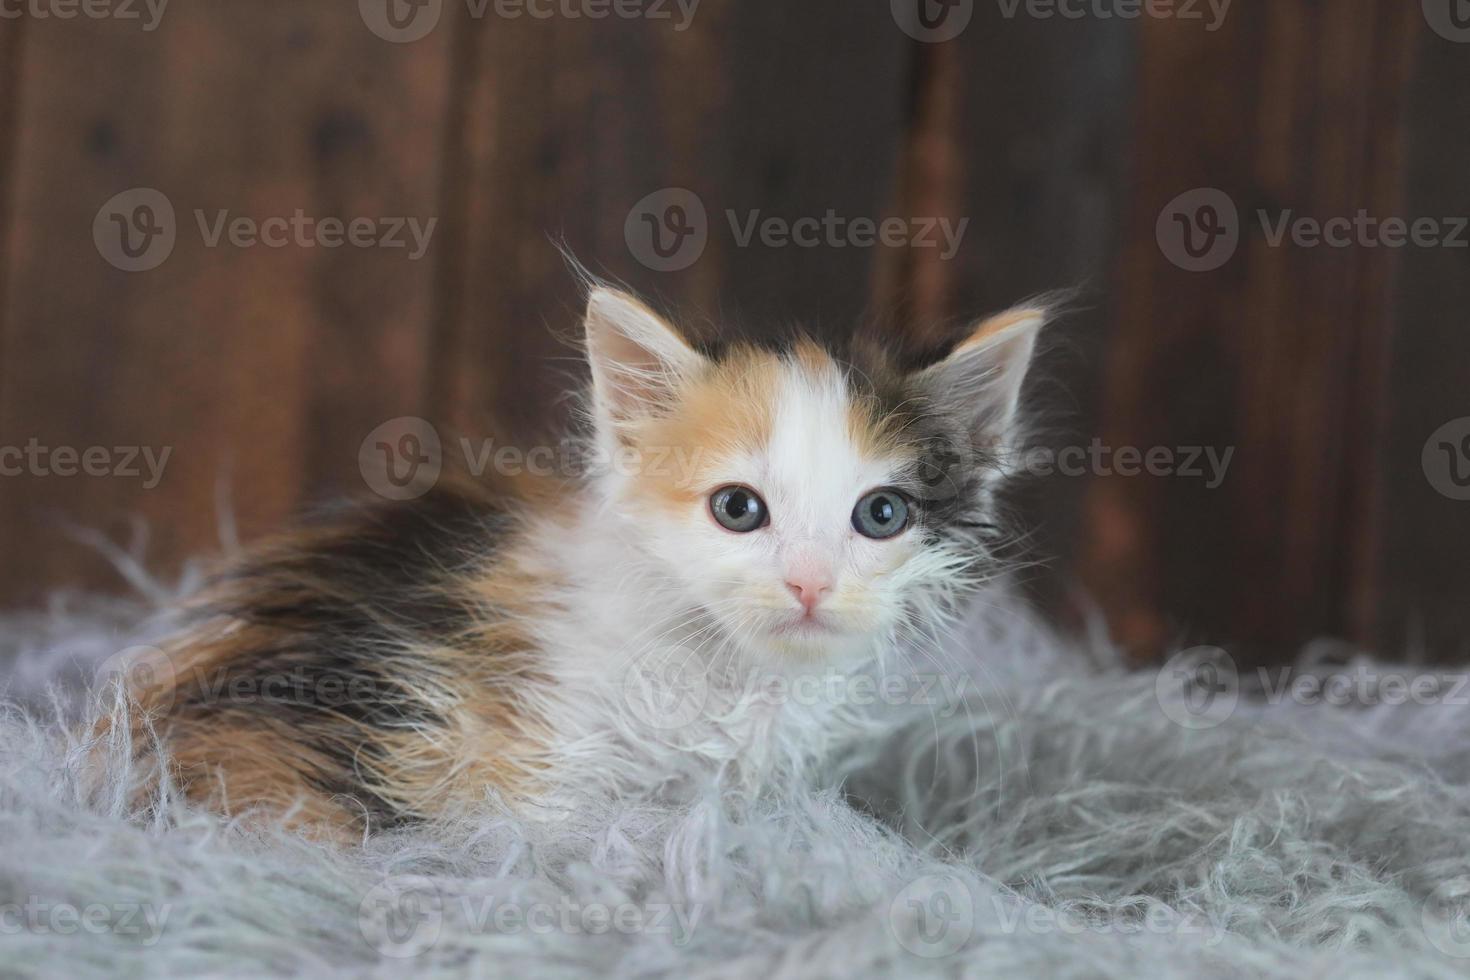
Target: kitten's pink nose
(809,590)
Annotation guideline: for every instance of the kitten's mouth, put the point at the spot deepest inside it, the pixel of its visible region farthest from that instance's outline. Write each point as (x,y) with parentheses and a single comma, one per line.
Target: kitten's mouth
(806,625)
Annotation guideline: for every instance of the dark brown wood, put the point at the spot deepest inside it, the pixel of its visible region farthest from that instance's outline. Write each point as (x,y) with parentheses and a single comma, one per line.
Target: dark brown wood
(1425,567)
(10,49)
(568,123)
(1059,141)
(261,369)
(1278,353)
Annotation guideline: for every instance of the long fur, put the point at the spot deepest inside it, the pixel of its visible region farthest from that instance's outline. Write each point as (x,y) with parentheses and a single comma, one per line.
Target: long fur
(1092,836)
(531,644)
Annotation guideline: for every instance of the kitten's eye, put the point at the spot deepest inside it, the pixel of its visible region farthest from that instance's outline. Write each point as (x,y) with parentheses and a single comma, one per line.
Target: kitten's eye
(739,509)
(881,514)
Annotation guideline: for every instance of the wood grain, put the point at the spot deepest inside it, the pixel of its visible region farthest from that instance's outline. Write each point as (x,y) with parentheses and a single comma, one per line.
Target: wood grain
(259,368)
(10,50)
(569,123)
(1425,558)
(1058,141)
(1277,354)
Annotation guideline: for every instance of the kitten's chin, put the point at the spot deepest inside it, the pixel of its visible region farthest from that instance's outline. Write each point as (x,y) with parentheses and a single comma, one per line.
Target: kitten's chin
(807,643)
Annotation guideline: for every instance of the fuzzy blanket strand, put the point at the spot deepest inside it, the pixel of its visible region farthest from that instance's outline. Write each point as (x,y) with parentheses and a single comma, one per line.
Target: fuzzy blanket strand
(1062,823)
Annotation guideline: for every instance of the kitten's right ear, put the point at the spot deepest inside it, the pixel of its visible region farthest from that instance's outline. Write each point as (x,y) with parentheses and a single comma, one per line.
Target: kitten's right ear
(638,360)
(982,377)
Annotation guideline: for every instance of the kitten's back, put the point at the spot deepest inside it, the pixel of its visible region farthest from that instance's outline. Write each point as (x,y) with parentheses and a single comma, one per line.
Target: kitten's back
(358,671)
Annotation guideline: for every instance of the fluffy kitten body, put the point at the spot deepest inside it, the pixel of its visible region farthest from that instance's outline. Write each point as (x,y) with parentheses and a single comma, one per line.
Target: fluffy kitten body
(612,634)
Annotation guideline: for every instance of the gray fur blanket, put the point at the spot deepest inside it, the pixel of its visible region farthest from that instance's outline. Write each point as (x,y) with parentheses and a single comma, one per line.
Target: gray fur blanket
(1064,817)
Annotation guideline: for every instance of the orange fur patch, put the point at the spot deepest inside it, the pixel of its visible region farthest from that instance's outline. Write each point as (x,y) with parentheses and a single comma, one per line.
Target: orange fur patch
(726,411)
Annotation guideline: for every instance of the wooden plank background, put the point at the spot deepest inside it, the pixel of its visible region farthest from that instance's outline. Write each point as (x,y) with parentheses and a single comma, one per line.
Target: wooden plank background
(1061,141)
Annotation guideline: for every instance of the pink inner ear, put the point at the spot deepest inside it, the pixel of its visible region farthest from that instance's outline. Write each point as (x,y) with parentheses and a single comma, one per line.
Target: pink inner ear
(637,358)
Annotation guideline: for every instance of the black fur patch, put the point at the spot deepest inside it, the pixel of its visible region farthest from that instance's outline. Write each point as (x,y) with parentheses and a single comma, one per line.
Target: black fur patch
(335,607)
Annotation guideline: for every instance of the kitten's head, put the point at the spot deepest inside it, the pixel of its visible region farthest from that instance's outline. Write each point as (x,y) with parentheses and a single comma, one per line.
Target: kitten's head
(812,504)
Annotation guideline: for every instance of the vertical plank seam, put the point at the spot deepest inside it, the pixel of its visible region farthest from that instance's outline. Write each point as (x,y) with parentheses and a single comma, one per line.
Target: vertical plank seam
(898,290)
(1385,166)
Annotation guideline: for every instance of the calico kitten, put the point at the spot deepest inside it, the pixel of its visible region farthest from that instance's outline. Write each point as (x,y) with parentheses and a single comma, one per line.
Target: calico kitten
(761,513)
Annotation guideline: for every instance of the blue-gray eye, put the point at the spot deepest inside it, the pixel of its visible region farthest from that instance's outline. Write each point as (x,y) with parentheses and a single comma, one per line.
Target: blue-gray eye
(739,508)
(881,514)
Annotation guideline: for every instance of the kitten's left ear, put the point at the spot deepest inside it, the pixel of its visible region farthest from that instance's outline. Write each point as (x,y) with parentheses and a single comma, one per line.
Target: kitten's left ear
(637,358)
(981,379)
